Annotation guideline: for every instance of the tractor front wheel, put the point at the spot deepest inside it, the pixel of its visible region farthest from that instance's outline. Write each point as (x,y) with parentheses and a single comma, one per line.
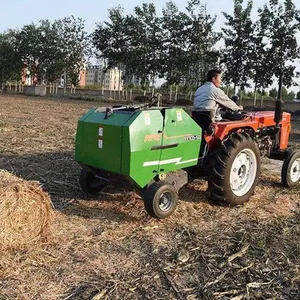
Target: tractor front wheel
(290,172)
(160,199)
(236,170)
(89,183)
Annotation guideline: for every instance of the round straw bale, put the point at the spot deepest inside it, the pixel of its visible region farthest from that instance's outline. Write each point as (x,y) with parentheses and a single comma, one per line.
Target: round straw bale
(25,213)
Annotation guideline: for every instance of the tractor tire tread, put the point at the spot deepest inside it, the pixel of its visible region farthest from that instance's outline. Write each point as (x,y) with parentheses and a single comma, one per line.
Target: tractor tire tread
(222,157)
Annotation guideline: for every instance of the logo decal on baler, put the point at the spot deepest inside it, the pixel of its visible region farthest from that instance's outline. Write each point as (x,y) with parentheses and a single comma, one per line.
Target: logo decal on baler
(157,136)
(179,115)
(152,137)
(176,160)
(100,137)
(100,144)
(147,119)
(100,131)
(192,138)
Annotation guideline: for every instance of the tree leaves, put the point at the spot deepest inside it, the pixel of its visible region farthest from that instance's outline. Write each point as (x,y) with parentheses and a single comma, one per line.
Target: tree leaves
(10,60)
(262,50)
(46,50)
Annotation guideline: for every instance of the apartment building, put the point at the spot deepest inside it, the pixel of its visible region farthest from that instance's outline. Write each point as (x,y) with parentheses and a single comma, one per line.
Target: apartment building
(91,77)
(110,79)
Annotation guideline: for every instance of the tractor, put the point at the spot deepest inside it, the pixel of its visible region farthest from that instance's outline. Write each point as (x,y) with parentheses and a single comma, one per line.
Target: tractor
(158,150)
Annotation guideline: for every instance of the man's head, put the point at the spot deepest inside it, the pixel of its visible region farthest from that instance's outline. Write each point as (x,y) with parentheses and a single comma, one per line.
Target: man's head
(214,76)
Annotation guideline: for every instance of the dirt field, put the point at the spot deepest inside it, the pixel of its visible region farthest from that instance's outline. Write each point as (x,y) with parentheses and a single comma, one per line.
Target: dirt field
(107,247)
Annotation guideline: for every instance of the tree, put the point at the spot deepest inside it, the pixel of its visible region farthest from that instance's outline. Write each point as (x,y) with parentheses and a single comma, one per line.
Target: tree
(50,49)
(174,57)
(202,39)
(51,56)
(113,42)
(146,39)
(237,37)
(259,54)
(291,96)
(273,93)
(108,38)
(29,44)
(10,59)
(284,23)
(74,46)
(177,46)
(131,42)
(298,95)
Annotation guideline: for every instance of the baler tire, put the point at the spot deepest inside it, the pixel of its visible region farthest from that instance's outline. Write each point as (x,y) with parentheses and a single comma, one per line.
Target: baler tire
(235,171)
(160,199)
(290,171)
(89,183)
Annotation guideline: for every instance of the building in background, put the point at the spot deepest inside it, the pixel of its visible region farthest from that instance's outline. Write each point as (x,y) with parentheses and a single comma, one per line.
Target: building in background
(109,79)
(91,77)
(82,78)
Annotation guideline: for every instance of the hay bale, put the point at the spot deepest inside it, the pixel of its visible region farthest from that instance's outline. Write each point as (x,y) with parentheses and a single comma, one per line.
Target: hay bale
(25,212)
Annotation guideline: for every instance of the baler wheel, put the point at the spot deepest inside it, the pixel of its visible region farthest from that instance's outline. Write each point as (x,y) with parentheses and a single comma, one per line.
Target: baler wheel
(236,170)
(160,199)
(290,172)
(89,183)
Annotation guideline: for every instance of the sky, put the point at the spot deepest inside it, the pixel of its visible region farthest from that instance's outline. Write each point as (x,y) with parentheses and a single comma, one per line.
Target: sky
(16,13)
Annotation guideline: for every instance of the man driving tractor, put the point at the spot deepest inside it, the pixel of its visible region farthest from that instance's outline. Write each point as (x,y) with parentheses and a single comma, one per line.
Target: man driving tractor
(209,98)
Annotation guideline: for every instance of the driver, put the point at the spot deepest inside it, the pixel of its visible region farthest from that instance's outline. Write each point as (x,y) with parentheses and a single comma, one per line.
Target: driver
(209,98)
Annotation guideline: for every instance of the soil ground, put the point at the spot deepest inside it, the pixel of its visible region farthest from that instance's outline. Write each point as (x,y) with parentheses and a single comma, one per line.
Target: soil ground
(107,247)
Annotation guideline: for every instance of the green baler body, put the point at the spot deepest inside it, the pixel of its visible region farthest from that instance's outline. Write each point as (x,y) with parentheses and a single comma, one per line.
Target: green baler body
(138,144)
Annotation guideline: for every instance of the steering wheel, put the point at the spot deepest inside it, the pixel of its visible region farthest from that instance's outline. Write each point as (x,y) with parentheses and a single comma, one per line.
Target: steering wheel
(153,100)
(231,115)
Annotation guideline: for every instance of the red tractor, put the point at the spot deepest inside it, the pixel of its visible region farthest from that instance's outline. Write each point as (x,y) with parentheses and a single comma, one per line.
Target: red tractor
(231,155)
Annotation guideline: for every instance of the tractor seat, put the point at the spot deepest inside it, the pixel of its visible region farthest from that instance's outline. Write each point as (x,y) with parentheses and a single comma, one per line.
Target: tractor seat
(202,118)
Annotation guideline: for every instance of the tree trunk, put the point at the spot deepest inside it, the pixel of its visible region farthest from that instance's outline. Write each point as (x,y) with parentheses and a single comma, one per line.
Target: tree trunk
(241,98)
(176,93)
(262,98)
(171,93)
(254,100)
(120,83)
(65,83)
(153,83)
(191,93)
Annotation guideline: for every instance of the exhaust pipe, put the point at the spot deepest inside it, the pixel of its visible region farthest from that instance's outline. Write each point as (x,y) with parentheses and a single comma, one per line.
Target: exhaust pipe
(279,102)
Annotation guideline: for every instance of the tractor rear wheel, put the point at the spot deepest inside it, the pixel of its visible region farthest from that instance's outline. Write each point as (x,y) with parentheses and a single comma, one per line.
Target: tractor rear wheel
(290,172)
(160,199)
(89,183)
(236,170)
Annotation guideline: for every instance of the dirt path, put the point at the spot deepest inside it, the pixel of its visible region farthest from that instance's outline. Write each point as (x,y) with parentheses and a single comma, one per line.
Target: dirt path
(108,245)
